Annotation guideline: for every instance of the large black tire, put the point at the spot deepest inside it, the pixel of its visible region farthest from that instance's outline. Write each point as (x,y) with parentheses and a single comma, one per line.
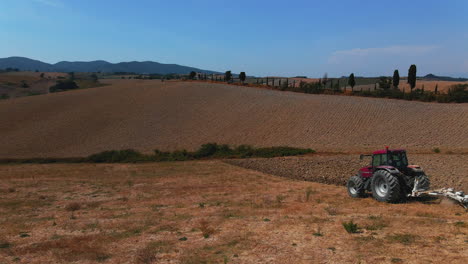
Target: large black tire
(356,187)
(424,182)
(385,187)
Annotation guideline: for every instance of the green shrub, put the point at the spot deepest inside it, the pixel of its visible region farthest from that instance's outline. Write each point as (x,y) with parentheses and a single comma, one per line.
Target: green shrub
(207,150)
(180,155)
(244,151)
(161,156)
(436,150)
(63,85)
(351,227)
(112,156)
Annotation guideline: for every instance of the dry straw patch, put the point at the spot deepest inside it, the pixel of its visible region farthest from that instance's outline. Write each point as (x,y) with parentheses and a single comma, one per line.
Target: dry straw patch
(209,211)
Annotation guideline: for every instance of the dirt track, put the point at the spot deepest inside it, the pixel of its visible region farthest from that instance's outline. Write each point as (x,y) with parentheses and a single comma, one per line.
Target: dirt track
(146,115)
(443,170)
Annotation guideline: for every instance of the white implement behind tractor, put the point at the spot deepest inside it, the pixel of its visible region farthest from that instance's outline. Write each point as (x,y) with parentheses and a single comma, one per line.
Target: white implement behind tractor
(450,193)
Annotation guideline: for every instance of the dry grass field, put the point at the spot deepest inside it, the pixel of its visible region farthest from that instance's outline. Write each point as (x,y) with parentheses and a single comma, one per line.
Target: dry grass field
(210,212)
(149,114)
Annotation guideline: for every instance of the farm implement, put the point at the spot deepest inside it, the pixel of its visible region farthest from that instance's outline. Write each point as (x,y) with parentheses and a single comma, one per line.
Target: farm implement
(391,179)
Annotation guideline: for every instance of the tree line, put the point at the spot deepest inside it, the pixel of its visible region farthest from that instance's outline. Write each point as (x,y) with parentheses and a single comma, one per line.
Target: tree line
(387,87)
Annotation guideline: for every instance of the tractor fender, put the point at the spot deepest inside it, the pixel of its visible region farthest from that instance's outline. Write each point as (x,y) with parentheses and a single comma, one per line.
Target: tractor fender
(416,169)
(392,170)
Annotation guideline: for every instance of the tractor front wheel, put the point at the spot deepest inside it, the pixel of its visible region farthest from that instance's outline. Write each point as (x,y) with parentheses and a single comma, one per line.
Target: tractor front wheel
(356,187)
(385,187)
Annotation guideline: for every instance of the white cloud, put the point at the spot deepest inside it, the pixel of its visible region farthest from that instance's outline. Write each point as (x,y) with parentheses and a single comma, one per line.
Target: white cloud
(52,3)
(358,53)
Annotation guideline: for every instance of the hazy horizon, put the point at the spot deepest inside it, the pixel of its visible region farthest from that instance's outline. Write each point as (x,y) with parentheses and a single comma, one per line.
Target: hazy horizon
(261,38)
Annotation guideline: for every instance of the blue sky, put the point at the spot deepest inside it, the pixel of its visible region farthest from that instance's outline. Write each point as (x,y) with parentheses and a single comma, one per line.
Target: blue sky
(287,38)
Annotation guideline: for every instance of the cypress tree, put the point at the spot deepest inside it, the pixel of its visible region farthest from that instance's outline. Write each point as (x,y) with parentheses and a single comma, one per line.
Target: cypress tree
(396,79)
(227,76)
(242,77)
(412,76)
(352,81)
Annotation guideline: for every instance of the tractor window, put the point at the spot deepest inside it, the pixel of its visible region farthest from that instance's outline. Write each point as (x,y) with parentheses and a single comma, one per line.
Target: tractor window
(376,160)
(398,159)
(383,160)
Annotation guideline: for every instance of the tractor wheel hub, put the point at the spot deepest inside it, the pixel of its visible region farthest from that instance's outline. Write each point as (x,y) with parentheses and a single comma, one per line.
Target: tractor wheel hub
(381,187)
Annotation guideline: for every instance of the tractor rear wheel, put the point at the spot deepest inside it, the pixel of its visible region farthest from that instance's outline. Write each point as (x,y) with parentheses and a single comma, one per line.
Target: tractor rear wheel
(385,187)
(423,182)
(356,187)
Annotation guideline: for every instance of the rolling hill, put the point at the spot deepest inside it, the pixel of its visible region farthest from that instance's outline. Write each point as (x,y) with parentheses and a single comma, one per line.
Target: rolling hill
(26,64)
(147,115)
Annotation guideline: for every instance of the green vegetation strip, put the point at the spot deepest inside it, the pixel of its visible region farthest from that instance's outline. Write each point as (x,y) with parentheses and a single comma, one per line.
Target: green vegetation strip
(206,151)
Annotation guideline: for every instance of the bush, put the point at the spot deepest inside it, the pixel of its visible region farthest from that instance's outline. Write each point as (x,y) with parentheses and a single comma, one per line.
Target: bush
(436,150)
(180,155)
(161,156)
(351,227)
(458,93)
(63,86)
(244,151)
(207,150)
(112,156)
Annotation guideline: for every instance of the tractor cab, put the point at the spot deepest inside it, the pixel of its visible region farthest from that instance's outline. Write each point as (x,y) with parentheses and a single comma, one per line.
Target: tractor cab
(390,157)
(384,158)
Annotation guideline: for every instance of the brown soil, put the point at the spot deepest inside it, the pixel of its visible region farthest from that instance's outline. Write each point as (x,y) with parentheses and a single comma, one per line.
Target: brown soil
(443,170)
(210,212)
(145,115)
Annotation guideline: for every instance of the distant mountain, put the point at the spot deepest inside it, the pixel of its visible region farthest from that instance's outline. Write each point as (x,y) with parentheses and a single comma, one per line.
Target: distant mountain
(26,64)
(444,78)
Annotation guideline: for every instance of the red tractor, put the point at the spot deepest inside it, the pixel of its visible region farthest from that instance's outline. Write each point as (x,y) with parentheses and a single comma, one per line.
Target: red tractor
(388,177)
